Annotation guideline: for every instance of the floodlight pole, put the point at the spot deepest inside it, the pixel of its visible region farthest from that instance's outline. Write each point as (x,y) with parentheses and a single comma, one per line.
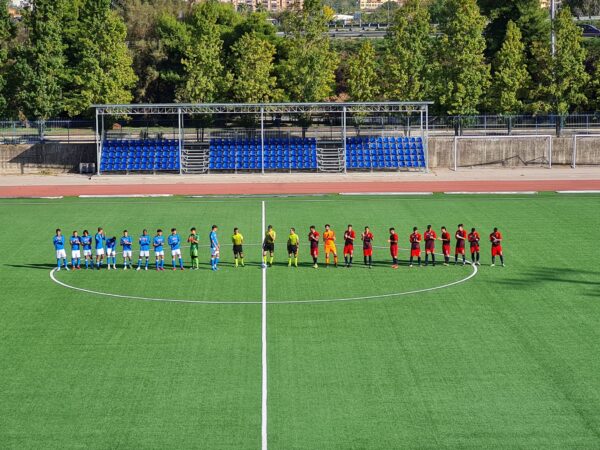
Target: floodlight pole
(425,136)
(344,134)
(553,33)
(180,138)
(262,139)
(98,157)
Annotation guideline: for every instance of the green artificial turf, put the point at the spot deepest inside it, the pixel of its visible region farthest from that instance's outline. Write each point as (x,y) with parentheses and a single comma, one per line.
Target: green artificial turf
(509,358)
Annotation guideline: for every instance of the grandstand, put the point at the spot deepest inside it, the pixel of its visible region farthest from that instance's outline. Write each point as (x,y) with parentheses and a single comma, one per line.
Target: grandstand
(306,137)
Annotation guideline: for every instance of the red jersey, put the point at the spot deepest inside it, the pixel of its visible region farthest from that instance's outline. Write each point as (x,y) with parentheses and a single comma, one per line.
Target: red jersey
(349,237)
(367,240)
(460,238)
(473,238)
(415,240)
(313,238)
(494,239)
(394,240)
(445,238)
(430,236)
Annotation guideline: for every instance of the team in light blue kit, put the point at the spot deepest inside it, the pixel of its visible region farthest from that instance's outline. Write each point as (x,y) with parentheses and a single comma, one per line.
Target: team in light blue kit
(59,247)
(144,242)
(158,242)
(100,241)
(126,243)
(111,252)
(214,248)
(174,242)
(86,243)
(75,242)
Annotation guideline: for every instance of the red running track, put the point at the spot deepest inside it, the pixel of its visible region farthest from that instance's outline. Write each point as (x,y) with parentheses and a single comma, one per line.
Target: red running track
(297,188)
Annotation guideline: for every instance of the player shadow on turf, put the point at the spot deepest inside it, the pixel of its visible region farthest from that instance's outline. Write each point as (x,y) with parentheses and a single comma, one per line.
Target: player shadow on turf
(550,275)
(34,266)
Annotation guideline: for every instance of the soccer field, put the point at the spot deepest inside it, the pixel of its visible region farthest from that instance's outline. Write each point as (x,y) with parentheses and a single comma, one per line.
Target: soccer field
(421,357)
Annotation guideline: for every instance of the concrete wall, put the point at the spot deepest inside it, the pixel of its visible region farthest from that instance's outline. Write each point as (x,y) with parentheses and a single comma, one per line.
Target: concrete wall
(512,152)
(45,158)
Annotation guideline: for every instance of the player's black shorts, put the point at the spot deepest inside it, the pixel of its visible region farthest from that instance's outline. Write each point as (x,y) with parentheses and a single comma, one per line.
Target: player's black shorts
(269,247)
(238,249)
(292,249)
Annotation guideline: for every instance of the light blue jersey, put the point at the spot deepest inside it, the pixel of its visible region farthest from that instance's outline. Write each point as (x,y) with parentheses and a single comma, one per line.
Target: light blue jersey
(144,243)
(59,242)
(159,241)
(126,242)
(111,243)
(100,240)
(214,241)
(75,242)
(174,241)
(86,241)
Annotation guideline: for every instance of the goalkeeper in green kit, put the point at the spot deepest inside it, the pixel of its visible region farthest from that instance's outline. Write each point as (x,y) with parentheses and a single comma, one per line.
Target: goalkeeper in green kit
(193,240)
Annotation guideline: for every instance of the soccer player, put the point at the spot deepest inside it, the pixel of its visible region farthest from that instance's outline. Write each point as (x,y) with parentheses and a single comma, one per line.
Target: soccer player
(75,251)
(349,236)
(158,242)
(430,236)
(474,244)
(329,240)
(313,239)
(445,238)
(174,242)
(86,242)
(59,246)
(461,237)
(193,240)
(367,239)
(292,247)
(393,240)
(215,248)
(269,245)
(496,240)
(238,249)
(126,243)
(415,246)
(144,242)
(100,240)
(111,252)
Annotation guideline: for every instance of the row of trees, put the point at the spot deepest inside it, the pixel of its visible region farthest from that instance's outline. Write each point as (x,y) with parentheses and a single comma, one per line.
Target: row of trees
(480,57)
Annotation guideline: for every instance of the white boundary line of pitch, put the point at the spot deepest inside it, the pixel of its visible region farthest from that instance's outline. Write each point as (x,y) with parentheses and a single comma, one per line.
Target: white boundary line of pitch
(264,344)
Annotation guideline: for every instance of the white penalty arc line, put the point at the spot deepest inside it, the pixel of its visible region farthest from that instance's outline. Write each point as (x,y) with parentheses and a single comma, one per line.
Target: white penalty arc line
(264,345)
(272,302)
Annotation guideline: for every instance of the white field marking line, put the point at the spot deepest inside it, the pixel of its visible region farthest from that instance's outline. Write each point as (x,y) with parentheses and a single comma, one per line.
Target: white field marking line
(591,191)
(264,345)
(491,193)
(125,195)
(386,193)
(273,302)
(255,196)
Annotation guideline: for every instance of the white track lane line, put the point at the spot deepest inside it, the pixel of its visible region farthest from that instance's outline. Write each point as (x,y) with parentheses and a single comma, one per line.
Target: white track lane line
(264,344)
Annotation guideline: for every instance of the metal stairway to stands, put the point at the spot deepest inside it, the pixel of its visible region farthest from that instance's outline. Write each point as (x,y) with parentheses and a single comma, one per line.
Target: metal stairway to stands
(330,157)
(195,157)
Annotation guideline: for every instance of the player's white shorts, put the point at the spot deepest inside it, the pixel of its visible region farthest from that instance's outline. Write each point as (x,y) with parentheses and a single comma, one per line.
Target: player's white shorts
(160,253)
(126,253)
(99,251)
(75,254)
(110,252)
(61,254)
(144,253)
(176,252)
(214,252)
(87,253)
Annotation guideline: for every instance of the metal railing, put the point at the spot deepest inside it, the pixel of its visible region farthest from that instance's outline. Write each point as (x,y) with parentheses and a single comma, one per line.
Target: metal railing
(32,132)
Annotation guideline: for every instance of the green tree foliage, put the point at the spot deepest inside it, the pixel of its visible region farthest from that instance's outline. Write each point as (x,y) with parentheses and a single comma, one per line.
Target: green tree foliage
(102,69)
(6,32)
(584,7)
(38,74)
(363,80)
(307,72)
(252,70)
(510,79)
(461,73)
(563,78)
(408,54)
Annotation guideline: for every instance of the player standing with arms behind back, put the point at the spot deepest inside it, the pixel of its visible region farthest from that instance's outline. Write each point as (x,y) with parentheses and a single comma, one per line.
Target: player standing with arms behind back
(349,236)
(329,240)
(393,240)
(461,237)
(496,240)
(292,247)
(474,244)
(59,246)
(415,246)
(430,236)
(313,240)
(367,238)
(144,242)
(269,246)
(238,250)
(215,249)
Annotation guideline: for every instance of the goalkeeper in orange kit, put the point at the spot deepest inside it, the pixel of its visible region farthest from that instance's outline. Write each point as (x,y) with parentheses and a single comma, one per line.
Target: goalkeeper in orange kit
(329,240)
